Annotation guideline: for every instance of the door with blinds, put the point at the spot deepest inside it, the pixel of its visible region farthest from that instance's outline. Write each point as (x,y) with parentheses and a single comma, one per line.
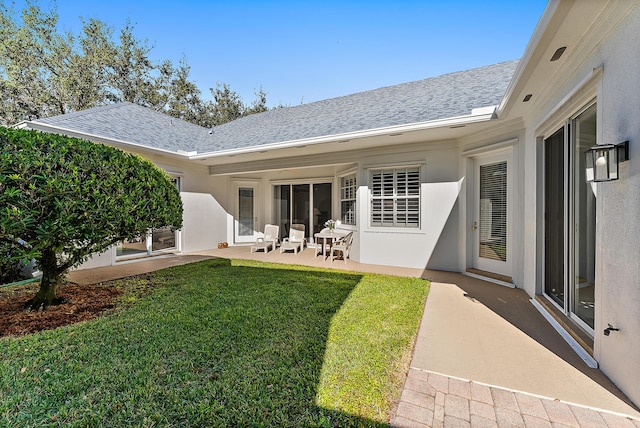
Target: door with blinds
(246,221)
(491,223)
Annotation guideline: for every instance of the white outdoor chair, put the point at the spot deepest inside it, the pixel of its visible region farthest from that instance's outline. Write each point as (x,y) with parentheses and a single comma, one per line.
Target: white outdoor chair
(268,241)
(296,240)
(343,246)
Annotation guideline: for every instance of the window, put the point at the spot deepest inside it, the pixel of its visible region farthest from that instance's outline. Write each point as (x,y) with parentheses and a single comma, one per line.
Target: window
(395,197)
(348,190)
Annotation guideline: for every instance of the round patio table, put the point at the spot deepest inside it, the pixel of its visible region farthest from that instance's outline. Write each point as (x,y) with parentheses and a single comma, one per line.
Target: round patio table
(328,236)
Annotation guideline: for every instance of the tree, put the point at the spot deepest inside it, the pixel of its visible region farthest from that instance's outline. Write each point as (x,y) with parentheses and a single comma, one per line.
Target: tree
(227,104)
(44,72)
(63,199)
(32,60)
(182,95)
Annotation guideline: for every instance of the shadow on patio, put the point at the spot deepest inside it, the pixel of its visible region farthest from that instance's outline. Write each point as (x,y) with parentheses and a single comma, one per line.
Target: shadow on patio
(480,331)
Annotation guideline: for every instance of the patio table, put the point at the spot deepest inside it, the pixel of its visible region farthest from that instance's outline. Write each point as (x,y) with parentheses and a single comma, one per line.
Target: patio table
(328,236)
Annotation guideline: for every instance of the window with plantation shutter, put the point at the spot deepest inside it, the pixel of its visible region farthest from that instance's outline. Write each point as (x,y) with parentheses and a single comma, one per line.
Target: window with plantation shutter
(395,197)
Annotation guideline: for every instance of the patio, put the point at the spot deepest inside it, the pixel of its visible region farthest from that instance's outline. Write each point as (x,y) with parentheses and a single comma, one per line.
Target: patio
(474,333)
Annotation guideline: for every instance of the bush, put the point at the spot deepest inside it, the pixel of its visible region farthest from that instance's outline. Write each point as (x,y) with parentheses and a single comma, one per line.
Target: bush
(11,266)
(68,198)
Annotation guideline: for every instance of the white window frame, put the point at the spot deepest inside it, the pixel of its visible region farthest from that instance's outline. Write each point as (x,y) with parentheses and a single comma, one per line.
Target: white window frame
(395,197)
(348,193)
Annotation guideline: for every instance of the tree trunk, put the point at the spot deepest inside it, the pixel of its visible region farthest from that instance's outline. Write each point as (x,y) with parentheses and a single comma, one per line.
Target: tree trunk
(46,295)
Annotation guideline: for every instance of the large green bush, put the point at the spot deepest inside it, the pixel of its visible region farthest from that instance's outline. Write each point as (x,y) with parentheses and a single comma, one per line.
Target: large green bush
(69,198)
(11,265)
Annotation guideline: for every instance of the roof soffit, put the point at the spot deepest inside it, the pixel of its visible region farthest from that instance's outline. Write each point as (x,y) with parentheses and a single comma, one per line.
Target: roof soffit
(578,25)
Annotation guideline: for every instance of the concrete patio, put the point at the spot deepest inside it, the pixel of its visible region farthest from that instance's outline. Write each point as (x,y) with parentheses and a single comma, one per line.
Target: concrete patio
(484,355)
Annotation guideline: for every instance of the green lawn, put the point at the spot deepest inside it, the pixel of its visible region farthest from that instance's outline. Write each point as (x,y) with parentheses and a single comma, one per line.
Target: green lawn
(223,343)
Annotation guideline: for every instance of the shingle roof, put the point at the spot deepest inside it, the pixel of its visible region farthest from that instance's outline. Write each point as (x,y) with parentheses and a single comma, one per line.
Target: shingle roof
(446,96)
(134,124)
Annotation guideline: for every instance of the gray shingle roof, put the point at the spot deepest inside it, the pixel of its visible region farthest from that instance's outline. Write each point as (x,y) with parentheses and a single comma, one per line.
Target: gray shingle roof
(446,96)
(132,123)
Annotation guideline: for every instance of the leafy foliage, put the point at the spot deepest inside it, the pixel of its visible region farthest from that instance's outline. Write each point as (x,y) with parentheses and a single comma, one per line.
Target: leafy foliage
(44,72)
(10,263)
(69,198)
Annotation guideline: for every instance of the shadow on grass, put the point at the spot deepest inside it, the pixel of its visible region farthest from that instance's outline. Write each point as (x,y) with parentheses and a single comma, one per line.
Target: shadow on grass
(217,345)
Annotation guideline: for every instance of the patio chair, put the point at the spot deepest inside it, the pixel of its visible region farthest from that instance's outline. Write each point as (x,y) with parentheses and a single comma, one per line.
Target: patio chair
(268,241)
(343,246)
(296,240)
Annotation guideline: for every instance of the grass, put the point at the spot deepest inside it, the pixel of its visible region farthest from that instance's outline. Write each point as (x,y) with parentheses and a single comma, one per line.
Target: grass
(223,343)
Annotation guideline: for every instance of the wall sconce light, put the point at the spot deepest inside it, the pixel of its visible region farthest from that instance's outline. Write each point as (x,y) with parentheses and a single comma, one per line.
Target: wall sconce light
(602,161)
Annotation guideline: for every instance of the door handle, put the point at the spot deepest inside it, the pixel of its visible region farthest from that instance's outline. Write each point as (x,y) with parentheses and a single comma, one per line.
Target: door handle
(474,226)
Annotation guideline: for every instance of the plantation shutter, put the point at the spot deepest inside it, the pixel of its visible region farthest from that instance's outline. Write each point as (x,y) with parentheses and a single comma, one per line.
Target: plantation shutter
(395,197)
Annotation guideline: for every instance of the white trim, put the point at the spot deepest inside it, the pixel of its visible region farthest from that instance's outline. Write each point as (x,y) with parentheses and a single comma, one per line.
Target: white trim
(407,164)
(246,181)
(565,100)
(489,279)
(490,148)
(504,154)
(346,172)
(553,302)
(353,172)
(375,132)
(584,355)
(583,325)
(255,186)
(527,56)
(170,171)
(320,180)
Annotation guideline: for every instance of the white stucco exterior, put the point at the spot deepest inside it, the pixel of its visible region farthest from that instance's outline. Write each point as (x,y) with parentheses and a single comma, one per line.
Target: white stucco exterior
(600,65)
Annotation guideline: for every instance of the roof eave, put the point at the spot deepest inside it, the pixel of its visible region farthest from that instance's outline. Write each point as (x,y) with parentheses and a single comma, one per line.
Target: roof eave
(478,115)
(126,145)
(523,64)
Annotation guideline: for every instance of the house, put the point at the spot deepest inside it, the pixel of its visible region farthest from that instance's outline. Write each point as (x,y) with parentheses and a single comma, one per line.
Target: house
(481,171)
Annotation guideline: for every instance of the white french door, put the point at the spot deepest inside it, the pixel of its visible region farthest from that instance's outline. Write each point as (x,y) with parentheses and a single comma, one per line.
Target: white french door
(491,225)
(246,219)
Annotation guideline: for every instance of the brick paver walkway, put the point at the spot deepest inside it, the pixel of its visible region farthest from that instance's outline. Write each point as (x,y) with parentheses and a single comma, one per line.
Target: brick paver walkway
(433,400)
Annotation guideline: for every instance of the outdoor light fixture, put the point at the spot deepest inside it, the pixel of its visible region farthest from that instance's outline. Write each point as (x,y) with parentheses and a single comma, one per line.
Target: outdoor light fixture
(602,161)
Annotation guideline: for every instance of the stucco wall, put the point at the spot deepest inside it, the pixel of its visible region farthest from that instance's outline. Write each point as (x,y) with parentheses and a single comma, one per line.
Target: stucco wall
(618,213)
(435,244)
(617,299)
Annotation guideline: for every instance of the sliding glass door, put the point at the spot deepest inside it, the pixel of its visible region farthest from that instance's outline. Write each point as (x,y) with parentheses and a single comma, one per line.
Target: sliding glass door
(554,225)
(570,219)
(583,221)
(308,204)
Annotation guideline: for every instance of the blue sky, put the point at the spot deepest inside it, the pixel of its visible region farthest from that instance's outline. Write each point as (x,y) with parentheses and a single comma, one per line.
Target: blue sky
(304,51)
